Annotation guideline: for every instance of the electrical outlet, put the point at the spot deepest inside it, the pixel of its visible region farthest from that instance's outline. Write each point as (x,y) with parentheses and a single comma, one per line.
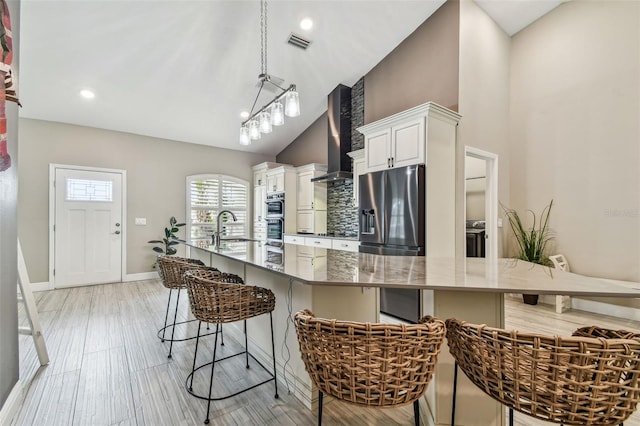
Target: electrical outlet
(141,221)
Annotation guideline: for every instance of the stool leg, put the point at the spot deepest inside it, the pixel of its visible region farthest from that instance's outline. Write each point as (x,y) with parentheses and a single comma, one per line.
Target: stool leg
(246,348)
(455,388)
(195,354)
(221,336)
(213,364)
(319,408)
(510,416)
(173,329)
(166,316)
(416,412)
(273,351)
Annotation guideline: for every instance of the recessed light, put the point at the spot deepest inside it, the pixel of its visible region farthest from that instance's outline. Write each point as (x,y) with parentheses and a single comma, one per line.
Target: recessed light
(306,24)
(244,114)
(87,94)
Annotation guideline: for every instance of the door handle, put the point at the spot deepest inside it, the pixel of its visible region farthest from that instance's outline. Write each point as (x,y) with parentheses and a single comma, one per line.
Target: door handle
(117,232)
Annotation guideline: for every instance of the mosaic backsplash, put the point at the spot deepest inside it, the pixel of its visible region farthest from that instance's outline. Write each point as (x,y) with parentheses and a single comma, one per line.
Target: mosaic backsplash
(342,214)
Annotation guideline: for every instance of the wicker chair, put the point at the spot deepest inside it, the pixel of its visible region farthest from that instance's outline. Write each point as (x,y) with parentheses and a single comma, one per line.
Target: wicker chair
(171,269)
(590,378)
(222,298)
(371,365)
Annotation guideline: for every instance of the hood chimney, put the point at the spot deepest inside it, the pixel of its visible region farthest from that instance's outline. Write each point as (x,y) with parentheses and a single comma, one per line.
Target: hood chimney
(339,133)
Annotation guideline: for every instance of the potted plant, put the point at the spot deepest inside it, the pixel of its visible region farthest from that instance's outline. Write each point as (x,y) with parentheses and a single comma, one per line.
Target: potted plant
(170,238)
(532,242)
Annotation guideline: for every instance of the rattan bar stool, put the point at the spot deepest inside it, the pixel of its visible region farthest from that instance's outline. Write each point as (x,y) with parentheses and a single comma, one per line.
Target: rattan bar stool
(171,270)
(590,378)
(369,364)
(222,298)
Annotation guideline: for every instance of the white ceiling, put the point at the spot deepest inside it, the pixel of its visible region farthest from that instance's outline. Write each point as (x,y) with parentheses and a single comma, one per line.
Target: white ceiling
(184,70)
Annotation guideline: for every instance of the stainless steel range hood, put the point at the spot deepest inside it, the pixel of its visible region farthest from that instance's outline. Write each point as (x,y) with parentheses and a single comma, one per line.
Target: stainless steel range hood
(339,132)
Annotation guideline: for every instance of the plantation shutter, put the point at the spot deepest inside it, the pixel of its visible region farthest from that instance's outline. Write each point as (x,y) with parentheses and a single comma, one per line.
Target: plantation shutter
(207,196)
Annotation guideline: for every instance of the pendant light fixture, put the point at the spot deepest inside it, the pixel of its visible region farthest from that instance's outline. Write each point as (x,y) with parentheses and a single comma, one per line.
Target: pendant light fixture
(272,114)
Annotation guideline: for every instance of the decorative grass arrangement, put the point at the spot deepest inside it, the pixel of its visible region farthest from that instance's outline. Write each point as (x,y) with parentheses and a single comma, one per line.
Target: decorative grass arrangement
(532,242)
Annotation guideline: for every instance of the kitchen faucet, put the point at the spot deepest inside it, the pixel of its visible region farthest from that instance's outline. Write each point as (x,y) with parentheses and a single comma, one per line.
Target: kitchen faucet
(216,235)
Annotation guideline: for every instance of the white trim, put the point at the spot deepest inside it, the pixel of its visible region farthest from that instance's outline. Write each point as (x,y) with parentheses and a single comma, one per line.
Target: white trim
(43,286)
(12,404)
(491,198)
(52,205)
(430,109)
(140,276)
(602,308)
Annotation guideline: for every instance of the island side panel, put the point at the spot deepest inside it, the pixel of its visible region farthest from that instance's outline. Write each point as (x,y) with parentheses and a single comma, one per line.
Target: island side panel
(473,407)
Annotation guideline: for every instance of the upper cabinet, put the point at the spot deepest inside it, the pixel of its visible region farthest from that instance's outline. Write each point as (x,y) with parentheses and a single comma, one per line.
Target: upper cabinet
(401,139)
(311,200)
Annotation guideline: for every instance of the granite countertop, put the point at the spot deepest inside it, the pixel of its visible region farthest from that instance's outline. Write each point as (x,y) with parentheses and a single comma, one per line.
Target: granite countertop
(342,268)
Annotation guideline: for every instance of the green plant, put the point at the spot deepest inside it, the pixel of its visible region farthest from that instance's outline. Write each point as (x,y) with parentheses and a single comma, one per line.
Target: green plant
(170,238)
(532,242)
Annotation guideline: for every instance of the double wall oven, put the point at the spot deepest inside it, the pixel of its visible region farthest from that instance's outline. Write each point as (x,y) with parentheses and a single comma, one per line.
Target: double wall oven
(275,218)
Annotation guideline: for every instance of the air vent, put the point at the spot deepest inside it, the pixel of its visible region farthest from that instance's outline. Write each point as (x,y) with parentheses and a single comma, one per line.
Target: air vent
(298,41)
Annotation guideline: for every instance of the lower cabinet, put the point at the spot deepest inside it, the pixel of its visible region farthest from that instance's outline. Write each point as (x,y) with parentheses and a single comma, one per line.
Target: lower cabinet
(345,245)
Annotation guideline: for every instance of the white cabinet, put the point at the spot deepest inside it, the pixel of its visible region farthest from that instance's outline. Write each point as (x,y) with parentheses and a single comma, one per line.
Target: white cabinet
(294,239)
(359,168)
(259,198)
(275,182)
(318,242)
(402,139)
(311,201)
(400,145)
(345,245)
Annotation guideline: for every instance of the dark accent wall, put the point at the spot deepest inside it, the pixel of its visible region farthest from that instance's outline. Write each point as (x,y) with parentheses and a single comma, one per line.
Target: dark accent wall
(423,68)
(309,147)
(357,114)
(8,235)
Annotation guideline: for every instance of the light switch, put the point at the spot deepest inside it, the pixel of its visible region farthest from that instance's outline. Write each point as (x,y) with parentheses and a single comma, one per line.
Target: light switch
(141,221)
(499,223)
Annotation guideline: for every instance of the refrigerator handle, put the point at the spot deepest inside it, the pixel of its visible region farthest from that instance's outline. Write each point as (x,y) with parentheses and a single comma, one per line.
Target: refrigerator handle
(367,221)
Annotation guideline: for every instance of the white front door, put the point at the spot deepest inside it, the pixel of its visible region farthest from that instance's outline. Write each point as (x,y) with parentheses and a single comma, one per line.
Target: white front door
(88,230)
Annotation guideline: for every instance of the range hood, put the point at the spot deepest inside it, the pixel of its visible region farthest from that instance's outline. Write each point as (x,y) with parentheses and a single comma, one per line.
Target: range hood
(339,132)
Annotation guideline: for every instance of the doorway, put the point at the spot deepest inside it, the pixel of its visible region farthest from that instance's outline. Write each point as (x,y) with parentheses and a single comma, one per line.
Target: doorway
(87,232)
(481,203)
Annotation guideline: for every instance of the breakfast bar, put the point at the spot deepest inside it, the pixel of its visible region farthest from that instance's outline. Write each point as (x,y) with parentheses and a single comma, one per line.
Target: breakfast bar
(343,285)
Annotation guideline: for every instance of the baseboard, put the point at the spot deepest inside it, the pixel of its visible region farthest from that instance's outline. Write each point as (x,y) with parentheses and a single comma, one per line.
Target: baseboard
(43,286)
(140,276)
(12,404)
(617,311)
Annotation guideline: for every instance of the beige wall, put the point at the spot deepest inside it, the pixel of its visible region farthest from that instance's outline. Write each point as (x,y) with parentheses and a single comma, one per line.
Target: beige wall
(424,67)
(156,181)
(309,147)
(575,117)
(483,101)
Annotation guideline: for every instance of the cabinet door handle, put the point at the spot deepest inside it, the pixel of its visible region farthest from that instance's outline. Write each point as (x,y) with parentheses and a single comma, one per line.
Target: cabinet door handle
(388,162)
(316,242)
(393,161)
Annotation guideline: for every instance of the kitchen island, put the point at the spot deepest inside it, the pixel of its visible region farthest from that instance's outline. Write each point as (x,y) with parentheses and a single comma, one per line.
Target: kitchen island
(342,285)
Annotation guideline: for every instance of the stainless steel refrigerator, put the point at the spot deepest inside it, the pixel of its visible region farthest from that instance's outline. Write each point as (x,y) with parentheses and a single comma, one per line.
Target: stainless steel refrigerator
(392,221)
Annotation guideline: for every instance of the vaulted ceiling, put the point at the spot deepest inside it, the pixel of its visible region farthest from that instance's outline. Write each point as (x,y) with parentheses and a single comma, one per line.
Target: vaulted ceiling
(184,70)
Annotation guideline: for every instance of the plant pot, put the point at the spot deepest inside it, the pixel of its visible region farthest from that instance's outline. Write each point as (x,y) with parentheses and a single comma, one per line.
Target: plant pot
(530,299)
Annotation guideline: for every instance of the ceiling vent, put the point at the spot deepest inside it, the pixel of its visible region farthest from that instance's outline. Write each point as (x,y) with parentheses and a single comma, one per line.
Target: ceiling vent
(298,41)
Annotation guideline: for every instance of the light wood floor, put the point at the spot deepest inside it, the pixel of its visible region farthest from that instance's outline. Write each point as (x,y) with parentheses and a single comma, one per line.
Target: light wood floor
(109,368)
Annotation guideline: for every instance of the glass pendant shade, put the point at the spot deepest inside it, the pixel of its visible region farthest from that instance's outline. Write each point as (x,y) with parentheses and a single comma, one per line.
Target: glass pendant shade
(254,130)
(277,114)
(292,104)
(244,136)
(265,122)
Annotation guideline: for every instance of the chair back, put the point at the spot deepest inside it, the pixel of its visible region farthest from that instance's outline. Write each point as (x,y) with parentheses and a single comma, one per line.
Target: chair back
(171,269)
(370,364)
(580,380)
(218,298)
(559,262)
